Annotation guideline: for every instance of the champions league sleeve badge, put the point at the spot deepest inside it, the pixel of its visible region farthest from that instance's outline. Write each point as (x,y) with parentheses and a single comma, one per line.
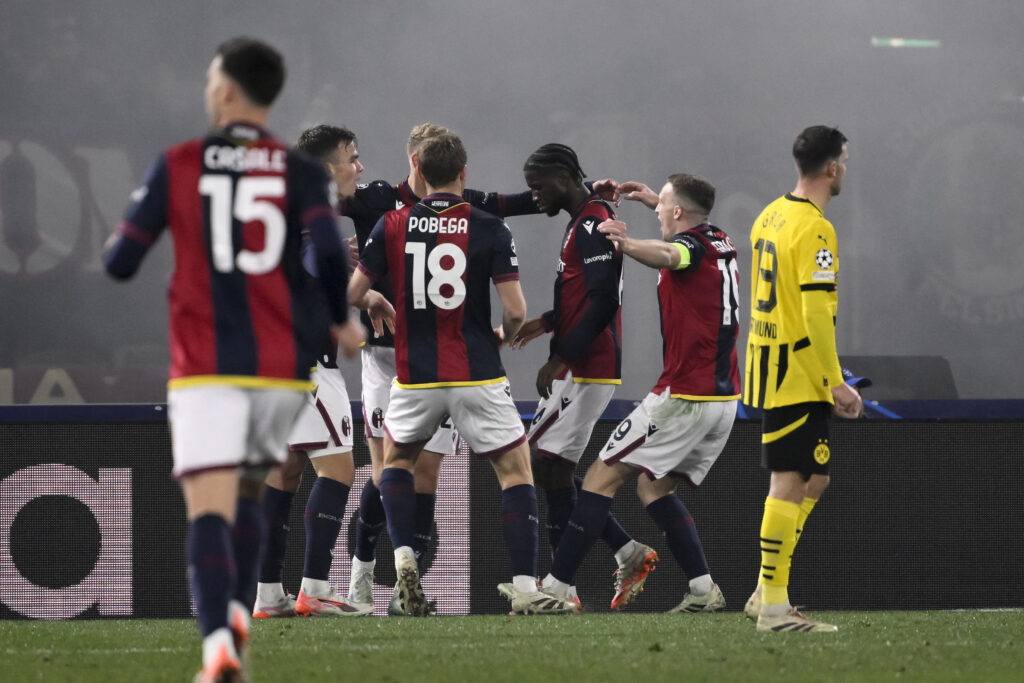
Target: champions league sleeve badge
(823,258)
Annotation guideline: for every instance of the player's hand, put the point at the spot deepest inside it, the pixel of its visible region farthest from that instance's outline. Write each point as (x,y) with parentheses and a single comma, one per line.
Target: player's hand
(349,337)
(607,189)
(353,251)
(531,329)
(615,231)
(849,404)
(381,312)
(638,192)
(546,376)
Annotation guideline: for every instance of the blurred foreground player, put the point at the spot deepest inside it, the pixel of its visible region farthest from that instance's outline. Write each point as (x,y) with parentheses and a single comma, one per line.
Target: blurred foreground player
(681,427)
(322,435)
(241,337)
(793,372)
(441,256)
(584,365)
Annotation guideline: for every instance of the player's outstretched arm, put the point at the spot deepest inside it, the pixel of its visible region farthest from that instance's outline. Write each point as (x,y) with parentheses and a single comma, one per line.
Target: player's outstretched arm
(531,329)
(651,253)
(638,192)
(607,189)
(514,304)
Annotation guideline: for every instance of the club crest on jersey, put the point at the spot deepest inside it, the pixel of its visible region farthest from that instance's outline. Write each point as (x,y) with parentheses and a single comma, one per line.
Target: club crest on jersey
(822,452)
(823,258)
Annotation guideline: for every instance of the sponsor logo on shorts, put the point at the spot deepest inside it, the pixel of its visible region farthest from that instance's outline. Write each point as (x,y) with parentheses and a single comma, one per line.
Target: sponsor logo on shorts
(822,452)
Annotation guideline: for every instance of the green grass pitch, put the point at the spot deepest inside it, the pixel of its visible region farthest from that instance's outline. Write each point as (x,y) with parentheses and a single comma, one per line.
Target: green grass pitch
(870,646)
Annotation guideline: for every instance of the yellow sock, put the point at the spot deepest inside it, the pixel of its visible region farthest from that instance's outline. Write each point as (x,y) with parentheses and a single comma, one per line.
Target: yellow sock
(778,538)
(805,510)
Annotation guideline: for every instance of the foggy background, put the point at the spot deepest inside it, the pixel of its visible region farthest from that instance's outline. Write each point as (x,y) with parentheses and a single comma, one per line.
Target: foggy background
(929,220)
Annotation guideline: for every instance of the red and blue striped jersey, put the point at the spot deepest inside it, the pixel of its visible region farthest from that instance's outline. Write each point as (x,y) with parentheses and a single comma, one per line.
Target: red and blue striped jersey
(373,200)
(587,316)
(237,203)
(440,257)
(699,306)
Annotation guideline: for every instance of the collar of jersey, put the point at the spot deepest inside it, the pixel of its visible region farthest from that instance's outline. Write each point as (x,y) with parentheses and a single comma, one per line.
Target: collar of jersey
(793,198)
(443,195)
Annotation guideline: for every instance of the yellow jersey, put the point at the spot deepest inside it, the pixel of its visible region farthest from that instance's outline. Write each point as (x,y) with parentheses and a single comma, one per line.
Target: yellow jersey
(791,345)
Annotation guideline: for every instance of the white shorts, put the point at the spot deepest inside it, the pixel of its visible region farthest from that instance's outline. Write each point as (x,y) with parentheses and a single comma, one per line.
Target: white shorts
(378,377)
(324,426)
(666,435)
(563,422)
(220,426)
(485,415)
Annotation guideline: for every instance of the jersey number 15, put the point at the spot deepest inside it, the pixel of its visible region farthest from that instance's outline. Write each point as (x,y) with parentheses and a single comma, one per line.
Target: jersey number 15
(251,202)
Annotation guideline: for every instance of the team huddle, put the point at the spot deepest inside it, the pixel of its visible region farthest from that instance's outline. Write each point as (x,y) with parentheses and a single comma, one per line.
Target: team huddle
(259,319)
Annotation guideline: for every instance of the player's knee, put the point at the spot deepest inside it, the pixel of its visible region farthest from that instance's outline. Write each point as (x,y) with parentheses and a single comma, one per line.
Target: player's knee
(337,466)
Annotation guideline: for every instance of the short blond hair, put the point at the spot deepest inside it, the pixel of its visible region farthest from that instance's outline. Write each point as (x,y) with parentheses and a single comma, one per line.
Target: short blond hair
(422,133)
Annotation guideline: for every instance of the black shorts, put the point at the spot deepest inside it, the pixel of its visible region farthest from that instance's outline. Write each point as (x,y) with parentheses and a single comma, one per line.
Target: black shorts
(795,438)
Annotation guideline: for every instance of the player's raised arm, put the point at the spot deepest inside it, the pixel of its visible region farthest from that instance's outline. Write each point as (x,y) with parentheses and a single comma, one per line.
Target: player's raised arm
(638,192)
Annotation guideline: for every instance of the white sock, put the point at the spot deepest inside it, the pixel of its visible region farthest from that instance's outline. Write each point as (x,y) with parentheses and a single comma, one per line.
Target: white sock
(213,642)
(270,592)
(559,589)
(776,610)
(315,588)
(360,566)
(701,585)
(623,554)
(524,583)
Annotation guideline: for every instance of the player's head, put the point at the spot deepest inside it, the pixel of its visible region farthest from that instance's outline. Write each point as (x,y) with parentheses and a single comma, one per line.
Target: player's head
(422,133)
(684,202)
(245,73)
(552,173)
(442,160)
(821,152)
(335,148)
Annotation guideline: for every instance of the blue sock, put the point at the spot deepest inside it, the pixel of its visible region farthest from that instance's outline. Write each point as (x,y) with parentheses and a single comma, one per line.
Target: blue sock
(324,513)
(399,497)
(212,564)
(425,503)
(519,527)
(371,521)
(277,507)
(584,528)
(247,537)
(672,517)
(560,505)
(613,534)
